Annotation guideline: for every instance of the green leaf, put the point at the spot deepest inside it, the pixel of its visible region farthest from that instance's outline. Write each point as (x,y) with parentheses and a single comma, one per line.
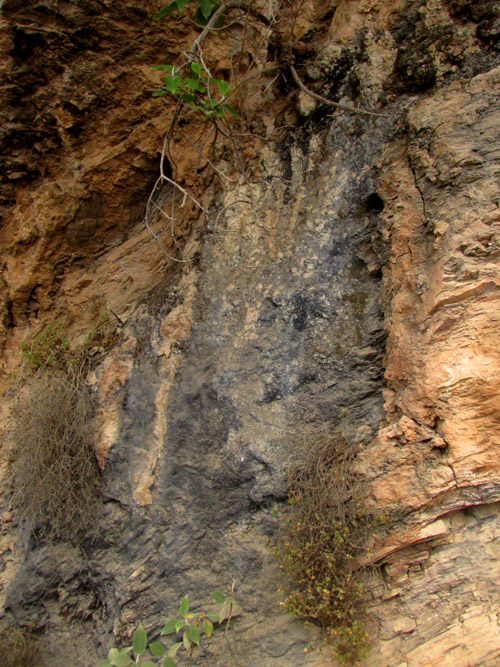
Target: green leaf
(223,87)
(179,624)
(208,628)
(147,663)
(140,640)
(188,98)
(230,600)
(184,606)
(200,19)
(166,10)
(233,111)
(210,104)
(157,649)
(196,67)
(168,662)
(172,651)
(207,8)
(193,634)
(158,93)
(181,4)
(169,627)
(122,660)
(172,83)
(186,641)
(104,663)
(218,597)
(213,616)
(167,68)
(192,84)
(113,652)
(222,614)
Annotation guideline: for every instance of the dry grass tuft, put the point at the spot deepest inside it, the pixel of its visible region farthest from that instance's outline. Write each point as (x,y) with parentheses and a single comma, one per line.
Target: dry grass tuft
(56,476)
(17,647)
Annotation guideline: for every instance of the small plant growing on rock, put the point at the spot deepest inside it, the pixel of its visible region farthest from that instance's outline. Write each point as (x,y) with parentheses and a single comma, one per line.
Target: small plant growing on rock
(189,629)
(48,349)
(323,529)
(199,90)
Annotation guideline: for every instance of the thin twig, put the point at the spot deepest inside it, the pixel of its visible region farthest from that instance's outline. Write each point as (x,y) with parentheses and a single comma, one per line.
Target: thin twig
(184,192)
(253,75)
(238,201)
(153,234)
(295,17)
(232,4)
(330,103)
(225,629)
(247,11)
(168,136)
(230,136)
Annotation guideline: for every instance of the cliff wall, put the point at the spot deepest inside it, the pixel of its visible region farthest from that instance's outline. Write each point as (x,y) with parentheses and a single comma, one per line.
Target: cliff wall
(345,274)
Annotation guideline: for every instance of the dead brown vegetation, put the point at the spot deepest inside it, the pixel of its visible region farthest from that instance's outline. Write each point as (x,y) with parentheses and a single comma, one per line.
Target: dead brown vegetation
(17,647)
(54,466)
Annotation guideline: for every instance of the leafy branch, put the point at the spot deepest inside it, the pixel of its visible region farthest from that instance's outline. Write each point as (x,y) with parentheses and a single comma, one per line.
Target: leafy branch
(191,83)
(194,88)
(188,631)
(199,91)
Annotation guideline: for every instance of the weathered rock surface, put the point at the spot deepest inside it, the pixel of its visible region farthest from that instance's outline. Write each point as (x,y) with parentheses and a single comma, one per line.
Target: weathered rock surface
(435,463)
(351,280)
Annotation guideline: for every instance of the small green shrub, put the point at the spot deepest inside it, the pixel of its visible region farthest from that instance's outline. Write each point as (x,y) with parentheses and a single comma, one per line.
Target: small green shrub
(54,467)
(17,647)
(200,91)
(48,349)
(323,529)
(191,627)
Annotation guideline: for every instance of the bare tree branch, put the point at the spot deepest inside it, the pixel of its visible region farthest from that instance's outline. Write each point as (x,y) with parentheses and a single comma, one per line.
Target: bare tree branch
(330,103)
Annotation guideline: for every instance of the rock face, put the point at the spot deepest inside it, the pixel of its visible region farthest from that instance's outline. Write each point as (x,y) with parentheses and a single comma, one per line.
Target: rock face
(348,278)
(438,450)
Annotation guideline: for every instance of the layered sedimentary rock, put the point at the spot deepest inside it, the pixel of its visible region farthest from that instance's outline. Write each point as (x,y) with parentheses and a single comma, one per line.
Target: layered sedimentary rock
(438,451)
(348,278)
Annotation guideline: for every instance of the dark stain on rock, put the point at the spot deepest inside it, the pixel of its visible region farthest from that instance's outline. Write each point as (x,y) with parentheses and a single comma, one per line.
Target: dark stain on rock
(420,45)
(405,24)
(489,31)
(415,69)
(272,392)
(475,10)
(300,315)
